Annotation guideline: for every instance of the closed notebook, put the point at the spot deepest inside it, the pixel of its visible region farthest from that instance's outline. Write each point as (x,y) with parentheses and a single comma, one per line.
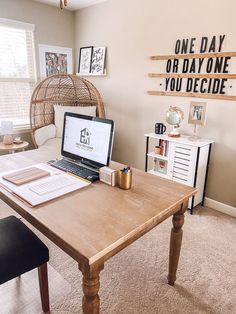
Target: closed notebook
(27,175)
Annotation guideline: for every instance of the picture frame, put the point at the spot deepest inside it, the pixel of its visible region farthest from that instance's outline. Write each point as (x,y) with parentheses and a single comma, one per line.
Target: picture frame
(160,165)
(197,113)
(85,59)
(98,60)
(55,60)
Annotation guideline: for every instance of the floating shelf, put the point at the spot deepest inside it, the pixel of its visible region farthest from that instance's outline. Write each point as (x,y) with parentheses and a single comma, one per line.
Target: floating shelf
(194,75)
(91,74)
(195,55)
(197,95)
(190,75)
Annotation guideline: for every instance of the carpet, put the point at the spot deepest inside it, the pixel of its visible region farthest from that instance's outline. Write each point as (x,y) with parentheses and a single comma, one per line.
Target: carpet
(134,281)
(21,295)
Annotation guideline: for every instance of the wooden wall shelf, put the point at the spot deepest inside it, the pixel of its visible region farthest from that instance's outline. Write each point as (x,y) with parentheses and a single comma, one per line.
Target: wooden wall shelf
(196,95)
(91,74)
(192,75)
(195,55)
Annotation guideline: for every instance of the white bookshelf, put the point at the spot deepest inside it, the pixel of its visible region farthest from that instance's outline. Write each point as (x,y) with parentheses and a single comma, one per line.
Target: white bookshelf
(185,161)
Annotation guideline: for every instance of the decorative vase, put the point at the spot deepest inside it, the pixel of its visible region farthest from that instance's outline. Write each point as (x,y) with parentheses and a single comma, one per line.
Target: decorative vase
(7,139)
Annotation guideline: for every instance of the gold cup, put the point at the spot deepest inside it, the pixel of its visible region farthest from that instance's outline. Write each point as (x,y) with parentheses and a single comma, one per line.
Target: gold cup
(125,179)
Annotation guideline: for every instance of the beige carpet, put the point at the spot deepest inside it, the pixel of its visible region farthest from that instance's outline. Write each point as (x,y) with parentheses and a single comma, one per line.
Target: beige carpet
(21,295)
(134,281)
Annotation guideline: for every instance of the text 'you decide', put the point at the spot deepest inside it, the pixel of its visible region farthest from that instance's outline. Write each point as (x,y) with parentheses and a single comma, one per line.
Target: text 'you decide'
(198,65)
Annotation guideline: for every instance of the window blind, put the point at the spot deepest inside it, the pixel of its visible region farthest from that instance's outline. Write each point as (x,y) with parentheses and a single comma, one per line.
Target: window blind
(17,71)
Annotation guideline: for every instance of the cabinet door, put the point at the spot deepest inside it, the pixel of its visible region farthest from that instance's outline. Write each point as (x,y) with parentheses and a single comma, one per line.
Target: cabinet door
(182,163)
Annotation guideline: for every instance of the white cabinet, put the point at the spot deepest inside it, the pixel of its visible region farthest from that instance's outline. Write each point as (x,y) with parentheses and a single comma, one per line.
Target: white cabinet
(181,160)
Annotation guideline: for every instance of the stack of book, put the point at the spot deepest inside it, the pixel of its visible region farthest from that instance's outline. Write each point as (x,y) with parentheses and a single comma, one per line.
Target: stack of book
(164,147)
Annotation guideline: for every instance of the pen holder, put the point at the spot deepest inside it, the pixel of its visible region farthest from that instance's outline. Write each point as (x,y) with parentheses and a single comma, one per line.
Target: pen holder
(125,179)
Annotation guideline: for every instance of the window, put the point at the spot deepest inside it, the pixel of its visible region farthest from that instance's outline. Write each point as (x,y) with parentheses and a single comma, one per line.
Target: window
(17,71)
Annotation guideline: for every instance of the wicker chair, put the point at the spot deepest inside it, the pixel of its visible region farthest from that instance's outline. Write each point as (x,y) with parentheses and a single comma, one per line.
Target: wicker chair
(61,89)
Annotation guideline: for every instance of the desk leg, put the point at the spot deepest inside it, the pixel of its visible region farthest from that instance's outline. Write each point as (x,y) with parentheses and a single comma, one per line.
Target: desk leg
(175,243)
(91,284)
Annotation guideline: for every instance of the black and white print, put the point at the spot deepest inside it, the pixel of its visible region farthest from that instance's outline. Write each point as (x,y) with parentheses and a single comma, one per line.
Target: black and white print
(85,59)
(98,60)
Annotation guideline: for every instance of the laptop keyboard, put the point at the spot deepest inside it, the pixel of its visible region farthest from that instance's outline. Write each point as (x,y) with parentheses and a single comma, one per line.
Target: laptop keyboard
(75,169)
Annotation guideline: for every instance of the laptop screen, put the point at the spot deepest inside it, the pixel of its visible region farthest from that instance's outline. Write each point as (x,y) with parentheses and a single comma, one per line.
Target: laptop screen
(88,139)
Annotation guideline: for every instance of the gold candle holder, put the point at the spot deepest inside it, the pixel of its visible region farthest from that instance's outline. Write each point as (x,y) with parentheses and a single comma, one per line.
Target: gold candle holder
(125,179)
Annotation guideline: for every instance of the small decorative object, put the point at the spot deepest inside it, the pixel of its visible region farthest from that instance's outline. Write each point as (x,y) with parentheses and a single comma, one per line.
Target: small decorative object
(63,3)
(125,178)
(17,140)
(174,116)
(197,116)
(157,150)
(85,60)
(7,130)
(160,128)
(55,60)
(98,60)
(108,176)
(160,166)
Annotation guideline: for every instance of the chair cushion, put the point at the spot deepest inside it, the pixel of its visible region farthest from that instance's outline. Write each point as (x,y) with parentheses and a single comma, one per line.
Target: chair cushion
(20,249)
(44,134)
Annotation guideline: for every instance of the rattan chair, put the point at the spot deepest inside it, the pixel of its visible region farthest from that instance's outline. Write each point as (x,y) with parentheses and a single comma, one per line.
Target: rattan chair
(61,89)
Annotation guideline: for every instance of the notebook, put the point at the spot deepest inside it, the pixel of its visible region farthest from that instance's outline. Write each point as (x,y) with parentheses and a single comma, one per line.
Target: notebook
(26,175)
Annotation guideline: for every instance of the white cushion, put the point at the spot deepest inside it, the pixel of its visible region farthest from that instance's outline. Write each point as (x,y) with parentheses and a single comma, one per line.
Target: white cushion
(45,133)
(52,148)
(60,112)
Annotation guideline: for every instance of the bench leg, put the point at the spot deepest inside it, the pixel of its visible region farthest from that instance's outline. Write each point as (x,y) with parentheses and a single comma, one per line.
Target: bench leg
(43,285)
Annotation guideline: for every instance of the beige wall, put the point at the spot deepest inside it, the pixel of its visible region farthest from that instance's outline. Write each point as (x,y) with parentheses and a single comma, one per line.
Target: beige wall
(133,30)
(52,26)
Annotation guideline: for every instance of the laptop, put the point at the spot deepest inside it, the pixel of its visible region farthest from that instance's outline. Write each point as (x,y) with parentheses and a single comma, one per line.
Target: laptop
(86,145)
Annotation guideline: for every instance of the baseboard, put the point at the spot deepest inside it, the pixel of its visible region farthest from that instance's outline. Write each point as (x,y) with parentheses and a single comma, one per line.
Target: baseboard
(221,207)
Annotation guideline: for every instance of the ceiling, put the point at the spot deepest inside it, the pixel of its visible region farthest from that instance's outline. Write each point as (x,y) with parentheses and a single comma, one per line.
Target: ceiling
(72,4)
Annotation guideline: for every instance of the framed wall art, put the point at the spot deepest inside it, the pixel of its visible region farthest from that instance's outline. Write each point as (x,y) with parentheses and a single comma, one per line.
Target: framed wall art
(98,60)
(197,113)
(85,60)
(55,60)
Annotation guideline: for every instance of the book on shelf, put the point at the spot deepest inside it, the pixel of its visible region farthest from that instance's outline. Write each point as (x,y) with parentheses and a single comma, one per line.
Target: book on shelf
(164,147)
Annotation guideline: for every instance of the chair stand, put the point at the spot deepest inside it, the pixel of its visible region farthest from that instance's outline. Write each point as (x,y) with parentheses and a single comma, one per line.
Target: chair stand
(43,285)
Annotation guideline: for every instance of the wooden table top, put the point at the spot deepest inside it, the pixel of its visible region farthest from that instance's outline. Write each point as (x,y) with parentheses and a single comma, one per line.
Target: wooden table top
(4,147)
(95,223)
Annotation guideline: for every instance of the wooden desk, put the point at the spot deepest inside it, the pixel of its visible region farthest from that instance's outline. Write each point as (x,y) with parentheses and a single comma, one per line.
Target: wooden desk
(93,224)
